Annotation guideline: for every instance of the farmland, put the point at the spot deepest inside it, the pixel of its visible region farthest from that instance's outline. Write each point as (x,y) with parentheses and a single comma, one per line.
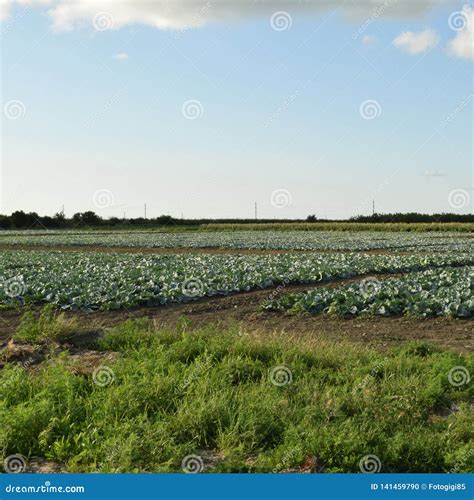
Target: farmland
(248,240)
(429,293)
(237,351)
(108,281)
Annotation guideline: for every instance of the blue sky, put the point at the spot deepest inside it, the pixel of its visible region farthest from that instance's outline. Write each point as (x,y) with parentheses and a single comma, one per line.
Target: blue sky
(321,117)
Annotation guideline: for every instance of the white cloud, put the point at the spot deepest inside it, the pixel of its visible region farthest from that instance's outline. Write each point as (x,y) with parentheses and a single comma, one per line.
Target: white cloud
(369,40)
(121,56)
(416,43)
(4,9)
(179,14)
(433,173)
(462,45)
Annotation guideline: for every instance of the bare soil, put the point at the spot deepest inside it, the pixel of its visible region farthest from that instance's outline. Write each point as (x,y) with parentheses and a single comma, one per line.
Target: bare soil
(242,309)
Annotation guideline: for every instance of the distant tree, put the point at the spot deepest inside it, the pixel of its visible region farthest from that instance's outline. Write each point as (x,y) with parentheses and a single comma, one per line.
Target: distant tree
(311,218)
(21,220)
(91,218)
(88,218)
(165,220)
(114,221)
(59,219)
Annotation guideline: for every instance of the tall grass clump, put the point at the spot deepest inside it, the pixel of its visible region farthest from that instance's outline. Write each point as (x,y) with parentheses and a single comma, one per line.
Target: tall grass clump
(241,404)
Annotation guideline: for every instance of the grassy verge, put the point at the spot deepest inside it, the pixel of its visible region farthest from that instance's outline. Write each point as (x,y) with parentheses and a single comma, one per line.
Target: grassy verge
(220,401)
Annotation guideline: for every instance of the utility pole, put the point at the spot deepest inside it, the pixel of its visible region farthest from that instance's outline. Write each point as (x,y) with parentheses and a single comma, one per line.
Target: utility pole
(145,210)
(373,208)
(255,210)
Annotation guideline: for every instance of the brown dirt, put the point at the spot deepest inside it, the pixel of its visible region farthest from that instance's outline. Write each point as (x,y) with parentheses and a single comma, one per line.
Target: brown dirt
(38,465)
(242,309)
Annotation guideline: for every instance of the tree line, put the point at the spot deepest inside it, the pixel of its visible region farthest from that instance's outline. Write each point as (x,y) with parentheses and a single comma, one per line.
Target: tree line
(31,220)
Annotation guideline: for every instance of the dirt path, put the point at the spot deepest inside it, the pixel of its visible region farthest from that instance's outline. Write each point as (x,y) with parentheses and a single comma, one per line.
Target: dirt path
(242,309)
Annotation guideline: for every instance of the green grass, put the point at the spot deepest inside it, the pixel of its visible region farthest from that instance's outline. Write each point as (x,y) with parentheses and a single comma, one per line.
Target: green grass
(50,325)
(209,392)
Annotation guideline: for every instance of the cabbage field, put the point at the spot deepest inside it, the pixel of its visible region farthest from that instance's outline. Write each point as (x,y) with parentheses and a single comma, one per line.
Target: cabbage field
(258,240)
(434,292)
(112,281)
(116,356)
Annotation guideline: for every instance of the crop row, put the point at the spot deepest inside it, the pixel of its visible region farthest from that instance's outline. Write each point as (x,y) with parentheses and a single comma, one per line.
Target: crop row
(287,240)
(112,281)
(434,292)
